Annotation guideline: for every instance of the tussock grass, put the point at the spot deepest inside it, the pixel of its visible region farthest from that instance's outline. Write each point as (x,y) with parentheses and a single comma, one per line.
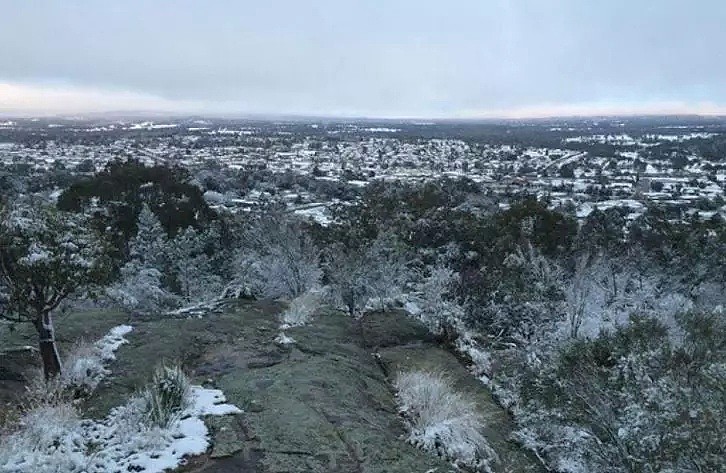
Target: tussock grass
(442,421)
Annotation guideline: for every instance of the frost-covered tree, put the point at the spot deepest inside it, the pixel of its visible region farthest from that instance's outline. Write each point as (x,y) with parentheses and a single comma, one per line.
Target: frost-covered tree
(192,267)
(278,259)
(163,273)
(45,257)
(439,311)
(150,244)
(348,278)
(387,268)
(143,284)
(357,276)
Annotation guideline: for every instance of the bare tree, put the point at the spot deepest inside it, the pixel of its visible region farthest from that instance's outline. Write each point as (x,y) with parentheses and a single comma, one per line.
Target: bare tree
(576,294)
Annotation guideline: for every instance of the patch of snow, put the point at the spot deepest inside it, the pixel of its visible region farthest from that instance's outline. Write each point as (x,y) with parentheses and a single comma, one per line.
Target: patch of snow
(283,339)
(60,441)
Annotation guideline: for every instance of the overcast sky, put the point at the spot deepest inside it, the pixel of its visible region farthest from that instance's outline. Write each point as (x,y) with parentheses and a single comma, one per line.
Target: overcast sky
(376,58)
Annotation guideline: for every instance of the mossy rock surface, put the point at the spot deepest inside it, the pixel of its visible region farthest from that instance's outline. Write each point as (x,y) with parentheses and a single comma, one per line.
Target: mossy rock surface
(322,404)
(498,425)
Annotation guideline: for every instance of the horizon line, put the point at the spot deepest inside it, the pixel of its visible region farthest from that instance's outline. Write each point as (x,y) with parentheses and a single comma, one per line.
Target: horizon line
(262,116)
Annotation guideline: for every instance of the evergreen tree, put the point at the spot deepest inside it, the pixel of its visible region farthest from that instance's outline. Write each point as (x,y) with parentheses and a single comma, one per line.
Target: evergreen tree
(46,256)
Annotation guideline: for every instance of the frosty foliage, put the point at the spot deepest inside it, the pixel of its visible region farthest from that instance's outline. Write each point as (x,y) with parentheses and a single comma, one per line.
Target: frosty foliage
(167,395)
(83,368)
(141,288)
(282,339)
(163,273)
(372,276)
(438,309)
(193,268)
(300,310)
(526,302)
(278,260)
(48,440)
(45,257)
(52,438)
(442,421)
(632,400)
(85,365)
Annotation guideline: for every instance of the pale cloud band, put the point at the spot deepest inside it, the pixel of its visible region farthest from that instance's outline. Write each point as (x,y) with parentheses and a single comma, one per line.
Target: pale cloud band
(50,100)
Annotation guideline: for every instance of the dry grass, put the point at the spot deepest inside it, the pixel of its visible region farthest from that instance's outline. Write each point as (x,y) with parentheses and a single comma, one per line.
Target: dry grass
(443,421)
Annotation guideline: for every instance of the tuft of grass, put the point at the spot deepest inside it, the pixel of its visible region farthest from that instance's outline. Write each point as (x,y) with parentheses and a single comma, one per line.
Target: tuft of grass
(301,310)
(442,421)
(167,395)
(83,368)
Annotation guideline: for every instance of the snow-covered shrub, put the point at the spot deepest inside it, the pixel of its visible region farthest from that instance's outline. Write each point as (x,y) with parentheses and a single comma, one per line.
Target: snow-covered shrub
(301,309)
(367,278)
(141,289)
(439,312)
(480,358)
(632,400)
(85,364)
(53,439)
(48,439)
(283,339)
(278,260)
(441,420)
(167,395)
(387,270)
(83,367)
(41,391)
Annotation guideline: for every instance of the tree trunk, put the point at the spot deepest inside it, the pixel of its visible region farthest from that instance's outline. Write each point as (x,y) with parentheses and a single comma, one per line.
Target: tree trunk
(48,349)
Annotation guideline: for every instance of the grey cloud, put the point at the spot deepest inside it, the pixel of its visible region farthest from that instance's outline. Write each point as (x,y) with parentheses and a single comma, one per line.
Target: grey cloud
(373,57)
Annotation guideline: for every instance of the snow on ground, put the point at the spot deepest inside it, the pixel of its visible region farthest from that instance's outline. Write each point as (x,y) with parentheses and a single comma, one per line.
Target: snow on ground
(53,438)
(108,345)
(318,214)
(57,440)
(85,366)
(185,438)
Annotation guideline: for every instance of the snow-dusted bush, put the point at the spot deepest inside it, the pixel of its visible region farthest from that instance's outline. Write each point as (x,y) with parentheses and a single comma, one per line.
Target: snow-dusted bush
(85,364)
(83,367)
(441,420)
(366,278)
(631,400)
(439,312)
(301,309)
(48,439)
(278,260)
(283,339)
(141,289)
(167,395)
(53,439)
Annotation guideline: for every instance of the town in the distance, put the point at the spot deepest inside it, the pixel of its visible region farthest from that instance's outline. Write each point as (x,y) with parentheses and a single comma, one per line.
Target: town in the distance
(575,165)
